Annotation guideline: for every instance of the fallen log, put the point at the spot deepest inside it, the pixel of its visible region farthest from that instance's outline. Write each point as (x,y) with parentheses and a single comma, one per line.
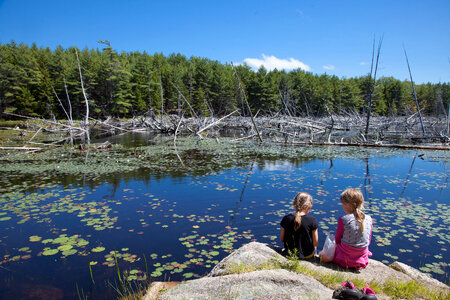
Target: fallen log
(424,147)
(20,148)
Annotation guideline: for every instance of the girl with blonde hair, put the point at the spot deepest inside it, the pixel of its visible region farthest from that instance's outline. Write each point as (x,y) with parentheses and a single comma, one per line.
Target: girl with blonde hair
(299,231)
(353,233)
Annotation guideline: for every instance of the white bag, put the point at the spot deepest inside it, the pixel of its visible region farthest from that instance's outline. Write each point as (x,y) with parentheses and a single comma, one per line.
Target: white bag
(329,247)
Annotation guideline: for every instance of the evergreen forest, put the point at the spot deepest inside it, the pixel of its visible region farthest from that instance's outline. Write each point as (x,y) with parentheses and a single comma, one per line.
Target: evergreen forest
(38,81)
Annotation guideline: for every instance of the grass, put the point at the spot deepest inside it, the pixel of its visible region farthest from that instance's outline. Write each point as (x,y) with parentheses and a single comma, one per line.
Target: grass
(125,288)
(395,289)
(242,268)
(411,290)
(130,290)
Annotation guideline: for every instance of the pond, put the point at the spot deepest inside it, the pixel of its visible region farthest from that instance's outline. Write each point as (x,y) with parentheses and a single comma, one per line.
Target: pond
(73,221)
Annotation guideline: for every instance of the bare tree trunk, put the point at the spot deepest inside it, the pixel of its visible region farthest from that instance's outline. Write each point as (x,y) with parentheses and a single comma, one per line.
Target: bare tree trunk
(69,117)
(150,97)
(86,119)
(68,101)
(241,88)
(448,117)
(414,93)
(372,86)
(185,100)
(70,110)
(162,97)
(60,103)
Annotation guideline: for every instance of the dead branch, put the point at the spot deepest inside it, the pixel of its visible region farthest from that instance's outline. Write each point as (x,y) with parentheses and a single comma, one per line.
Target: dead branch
(39,130)
(214,123)
(45,121)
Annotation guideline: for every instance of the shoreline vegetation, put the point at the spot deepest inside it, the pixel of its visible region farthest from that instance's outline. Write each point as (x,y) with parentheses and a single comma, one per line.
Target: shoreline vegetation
(255,269)
(116,93)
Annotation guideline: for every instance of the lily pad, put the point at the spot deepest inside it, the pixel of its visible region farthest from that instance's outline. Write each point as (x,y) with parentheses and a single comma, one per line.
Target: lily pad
(35,238)
(65,247)
(50,252)
(98,249)
(69,252)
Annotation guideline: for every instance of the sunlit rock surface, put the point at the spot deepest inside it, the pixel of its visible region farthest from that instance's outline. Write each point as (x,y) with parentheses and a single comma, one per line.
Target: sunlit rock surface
(251,272)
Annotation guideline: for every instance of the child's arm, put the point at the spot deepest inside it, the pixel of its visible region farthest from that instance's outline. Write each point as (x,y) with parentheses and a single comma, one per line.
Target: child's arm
(282,235)
(315,237)
(339,231)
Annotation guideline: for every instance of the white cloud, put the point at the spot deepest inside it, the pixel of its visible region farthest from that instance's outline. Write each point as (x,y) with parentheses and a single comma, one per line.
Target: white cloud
(329,67)
(272,62)
(363,63)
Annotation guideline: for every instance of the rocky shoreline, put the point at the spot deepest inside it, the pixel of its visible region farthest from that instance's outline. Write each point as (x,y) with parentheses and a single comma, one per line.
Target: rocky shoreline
(255,271)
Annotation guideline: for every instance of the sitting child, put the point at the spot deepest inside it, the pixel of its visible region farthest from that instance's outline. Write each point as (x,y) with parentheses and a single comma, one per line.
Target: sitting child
(353,233)
(299,231)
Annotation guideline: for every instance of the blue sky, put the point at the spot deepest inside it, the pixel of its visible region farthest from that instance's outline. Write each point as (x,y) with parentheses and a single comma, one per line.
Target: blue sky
(333,37)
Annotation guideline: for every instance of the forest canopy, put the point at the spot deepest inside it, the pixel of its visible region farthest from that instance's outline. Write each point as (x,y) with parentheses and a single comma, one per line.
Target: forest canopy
(131,84)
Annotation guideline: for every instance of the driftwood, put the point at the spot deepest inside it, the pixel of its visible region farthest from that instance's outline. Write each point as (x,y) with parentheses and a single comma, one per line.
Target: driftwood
(20,148)
(339,130)
(214,123)
(47,121)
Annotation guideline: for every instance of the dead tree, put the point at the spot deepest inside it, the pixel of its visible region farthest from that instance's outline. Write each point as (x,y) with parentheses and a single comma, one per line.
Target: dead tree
(86,119)
(448,117)
(372,84)
(414,93)
(162,96)
(244,97)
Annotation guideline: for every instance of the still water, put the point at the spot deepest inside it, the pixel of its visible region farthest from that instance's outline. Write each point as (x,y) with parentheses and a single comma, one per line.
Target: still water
(176,217)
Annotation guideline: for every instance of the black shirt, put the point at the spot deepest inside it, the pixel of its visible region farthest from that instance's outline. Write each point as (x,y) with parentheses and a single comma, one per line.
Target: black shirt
(302,238)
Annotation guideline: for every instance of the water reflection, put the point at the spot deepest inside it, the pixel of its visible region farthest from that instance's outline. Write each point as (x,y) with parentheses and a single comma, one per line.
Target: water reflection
(186,218)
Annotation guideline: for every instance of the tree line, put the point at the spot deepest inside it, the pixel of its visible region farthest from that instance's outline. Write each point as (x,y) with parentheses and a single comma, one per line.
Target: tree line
(39,82)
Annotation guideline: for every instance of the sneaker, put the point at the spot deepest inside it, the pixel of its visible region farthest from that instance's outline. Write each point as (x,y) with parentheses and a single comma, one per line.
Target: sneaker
(368,293)
(347,292)
(349,285)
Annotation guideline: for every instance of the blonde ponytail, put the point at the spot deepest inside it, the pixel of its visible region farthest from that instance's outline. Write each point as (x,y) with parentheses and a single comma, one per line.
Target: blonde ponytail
(297,220)
(302,202)
(355,199)
(359,217)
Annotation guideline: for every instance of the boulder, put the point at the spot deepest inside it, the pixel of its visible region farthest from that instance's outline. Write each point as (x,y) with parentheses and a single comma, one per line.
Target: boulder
(417,275)
(263,284)
(256,271)
(253,255)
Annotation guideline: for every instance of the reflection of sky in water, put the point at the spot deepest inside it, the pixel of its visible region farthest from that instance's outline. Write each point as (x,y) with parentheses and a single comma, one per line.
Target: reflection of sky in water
(278,165)
(195,221)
